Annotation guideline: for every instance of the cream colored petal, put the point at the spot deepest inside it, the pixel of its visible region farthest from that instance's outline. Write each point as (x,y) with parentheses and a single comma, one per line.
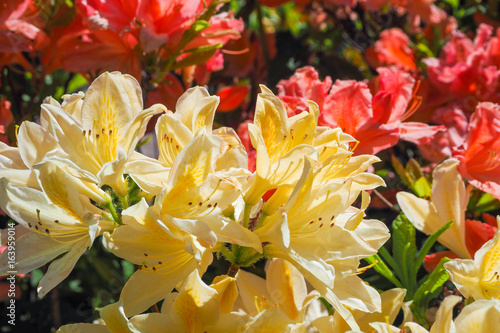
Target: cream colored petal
(420,212)
(391,302)
(465,275)
(423,215)
(150,175)
(35,142)
(230,323)
(356,294)
(135,131)
(59,269)
(196,109)
(444,316)
(374,232)
(60,189)
(385,328)
(144,289)
(228,291)
(153,323)
(107,104)
(115,319)
(13,168)
(111,173)
(487,258)
(333,244)
(287,170)
(270,320)
(271,119)
(172,136)
(229,231)
(415,328)
(480,316)
(286,286)
(263,161)
(301,129)
(197,228)
(72,104)
(253,292)
(32,251)
(196,305)
(31,209)
(450,199)
(70,136)
(235,155)
(83,328)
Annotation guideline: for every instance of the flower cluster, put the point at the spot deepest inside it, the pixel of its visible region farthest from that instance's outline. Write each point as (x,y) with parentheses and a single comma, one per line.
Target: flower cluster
(76,171)
(127,188)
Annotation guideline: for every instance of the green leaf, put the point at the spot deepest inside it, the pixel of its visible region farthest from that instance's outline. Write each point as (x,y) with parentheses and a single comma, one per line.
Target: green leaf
(453,3)
(433,283)
(382,268)
(76,82)
(414,169)
(427,246)
(422,188)
(404,249)
(485,203)
(425,49)
(401,171)
(197,57)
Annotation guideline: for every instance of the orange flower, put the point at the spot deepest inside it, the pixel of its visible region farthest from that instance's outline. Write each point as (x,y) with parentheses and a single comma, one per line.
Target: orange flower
(480,153)
(392,49)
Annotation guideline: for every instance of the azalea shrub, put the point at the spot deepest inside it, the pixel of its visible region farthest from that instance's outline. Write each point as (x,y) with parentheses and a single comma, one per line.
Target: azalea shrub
(233,166)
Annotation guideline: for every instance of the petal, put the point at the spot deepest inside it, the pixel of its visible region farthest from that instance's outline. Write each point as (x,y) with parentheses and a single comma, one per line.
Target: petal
(32,251)
(144,289)
(60,268)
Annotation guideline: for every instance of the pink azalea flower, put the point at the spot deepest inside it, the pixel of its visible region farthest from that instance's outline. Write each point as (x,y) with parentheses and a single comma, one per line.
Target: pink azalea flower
(6,119)
(17,34)
(479,155)
(376,121)
(392,49)
(468,70)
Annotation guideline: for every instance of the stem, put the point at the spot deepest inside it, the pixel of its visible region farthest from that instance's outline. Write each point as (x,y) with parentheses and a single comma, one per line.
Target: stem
(125,201)
(261,220)
(233,270)
(227,254)
(387,202)
(246,215)
(252,259)
(112,210)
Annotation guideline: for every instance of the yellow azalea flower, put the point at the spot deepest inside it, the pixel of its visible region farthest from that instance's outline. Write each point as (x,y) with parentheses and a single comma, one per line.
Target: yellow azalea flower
(448,202)
(284,288)
(304,232)
(165,253)
(281,144)
(61,220)
(195,308)
(102,135)
(194,114)
(478,278)
(34,144)
(196,191)
(392,302)
(479,316)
